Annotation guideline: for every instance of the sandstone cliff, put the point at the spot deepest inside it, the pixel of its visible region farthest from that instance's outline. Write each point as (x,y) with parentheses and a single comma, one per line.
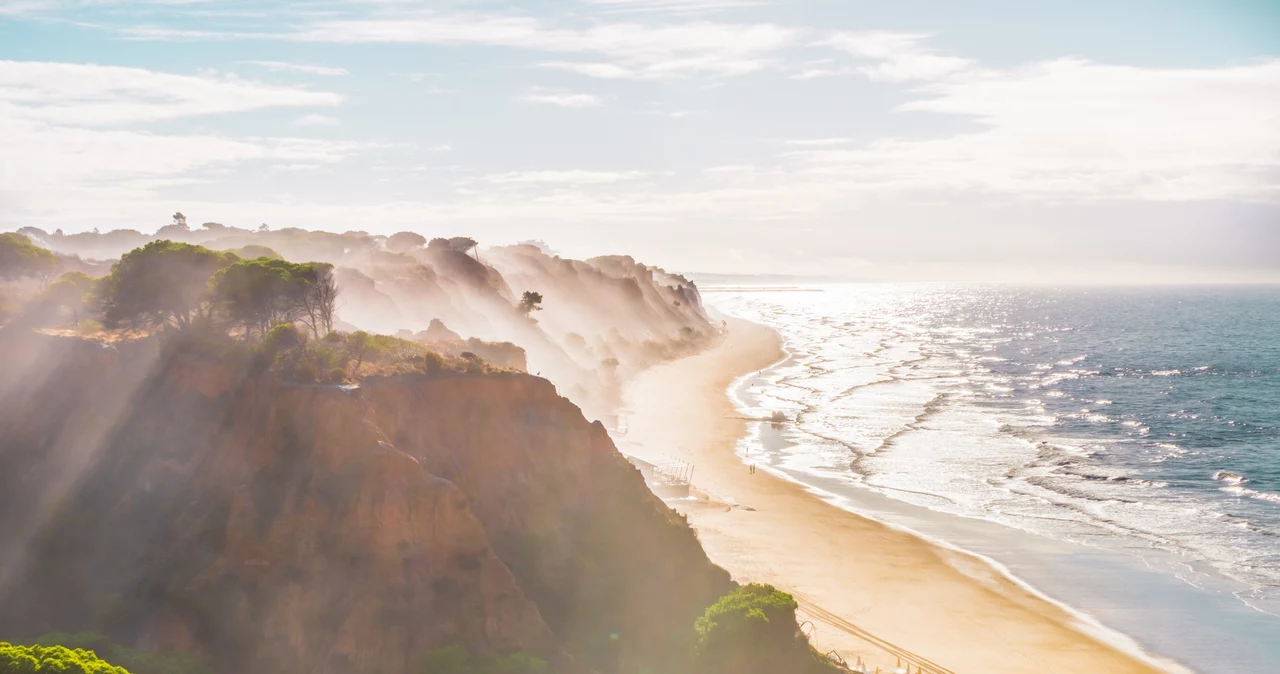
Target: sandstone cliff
(178,501)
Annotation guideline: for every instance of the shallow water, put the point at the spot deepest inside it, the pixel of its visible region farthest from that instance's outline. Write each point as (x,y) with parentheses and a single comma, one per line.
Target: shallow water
(1118,449)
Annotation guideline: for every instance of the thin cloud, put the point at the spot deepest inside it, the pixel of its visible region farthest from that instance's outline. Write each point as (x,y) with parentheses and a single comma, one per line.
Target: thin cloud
(896,57)
(561,99)
(619,49)
(94,95)
(1072,128)
(316,120)
(671,6)
(284,66)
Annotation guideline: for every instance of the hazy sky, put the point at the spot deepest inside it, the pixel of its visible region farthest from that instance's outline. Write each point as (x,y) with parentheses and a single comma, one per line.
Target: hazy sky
(1083,139)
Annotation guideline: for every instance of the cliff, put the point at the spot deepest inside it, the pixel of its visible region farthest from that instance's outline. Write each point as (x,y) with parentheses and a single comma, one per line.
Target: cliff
(175,500)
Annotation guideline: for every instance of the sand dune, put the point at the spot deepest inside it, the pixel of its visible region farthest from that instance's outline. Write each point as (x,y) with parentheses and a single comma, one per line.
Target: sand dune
(848,572)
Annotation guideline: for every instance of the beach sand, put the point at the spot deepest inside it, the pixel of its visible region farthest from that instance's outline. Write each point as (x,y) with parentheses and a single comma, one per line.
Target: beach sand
(951,608)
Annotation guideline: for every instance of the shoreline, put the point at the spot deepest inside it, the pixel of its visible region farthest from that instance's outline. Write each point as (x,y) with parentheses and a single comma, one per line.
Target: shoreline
(927,598)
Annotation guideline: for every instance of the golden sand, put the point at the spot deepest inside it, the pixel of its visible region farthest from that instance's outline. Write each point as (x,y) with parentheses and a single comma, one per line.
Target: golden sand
(849,572)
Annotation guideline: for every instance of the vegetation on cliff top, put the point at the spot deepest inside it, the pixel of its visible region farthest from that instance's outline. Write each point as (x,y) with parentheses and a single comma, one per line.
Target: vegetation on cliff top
(162,283)
(19,257)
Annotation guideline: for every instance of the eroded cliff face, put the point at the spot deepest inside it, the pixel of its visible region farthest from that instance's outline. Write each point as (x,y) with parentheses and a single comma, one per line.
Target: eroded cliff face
(177,502)
(618,575)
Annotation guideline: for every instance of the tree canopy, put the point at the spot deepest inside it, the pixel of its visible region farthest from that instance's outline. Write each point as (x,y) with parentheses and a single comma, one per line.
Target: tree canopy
(262,292)
(253,250)
(457,244)
(20,258)
(530,302)
(405,241)
(161,282)
(72,291)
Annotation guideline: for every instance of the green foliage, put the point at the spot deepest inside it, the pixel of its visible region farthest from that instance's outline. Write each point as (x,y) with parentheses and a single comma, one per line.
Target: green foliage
(746,610)
(50,659)
(261,292)
(752,630)
(253,250)
(73,291)
(161,282)
(458,660)
(19,257)
(134,662)
(282,337)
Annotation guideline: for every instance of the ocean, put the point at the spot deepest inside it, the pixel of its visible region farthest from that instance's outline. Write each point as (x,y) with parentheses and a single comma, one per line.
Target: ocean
(1116,449)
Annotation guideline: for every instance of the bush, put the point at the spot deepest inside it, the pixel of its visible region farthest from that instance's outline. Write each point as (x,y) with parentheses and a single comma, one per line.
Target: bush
(458,660)
(128,660)
(50,659)
(753,630)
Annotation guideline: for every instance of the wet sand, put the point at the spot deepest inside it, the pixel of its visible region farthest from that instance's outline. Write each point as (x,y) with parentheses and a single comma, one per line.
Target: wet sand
(848,572)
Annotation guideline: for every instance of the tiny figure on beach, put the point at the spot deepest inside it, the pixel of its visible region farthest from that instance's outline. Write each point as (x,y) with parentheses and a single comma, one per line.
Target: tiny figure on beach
(753,469)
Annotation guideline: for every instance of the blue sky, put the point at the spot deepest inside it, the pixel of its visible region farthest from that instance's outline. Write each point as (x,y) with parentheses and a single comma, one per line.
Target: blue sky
(1085,140)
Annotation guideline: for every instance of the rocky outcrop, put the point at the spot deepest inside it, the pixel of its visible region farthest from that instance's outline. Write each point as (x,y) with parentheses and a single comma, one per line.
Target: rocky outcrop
(438,332)
(176,501)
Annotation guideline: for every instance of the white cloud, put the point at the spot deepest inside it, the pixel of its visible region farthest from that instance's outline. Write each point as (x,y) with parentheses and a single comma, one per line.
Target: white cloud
(284,66)
(899,57)
(316,120)
(630,49)
(20,7)
(571,177)
(562,99)
(94,95)
(51,119)
(1076,129)
(601,70)
(633,50)
(56,163)
(733,173)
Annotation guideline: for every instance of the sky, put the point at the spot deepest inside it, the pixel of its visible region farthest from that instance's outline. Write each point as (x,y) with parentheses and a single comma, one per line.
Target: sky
(992,140)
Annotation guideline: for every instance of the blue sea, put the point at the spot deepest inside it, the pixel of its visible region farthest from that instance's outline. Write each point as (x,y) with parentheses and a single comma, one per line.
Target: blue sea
(1117,449)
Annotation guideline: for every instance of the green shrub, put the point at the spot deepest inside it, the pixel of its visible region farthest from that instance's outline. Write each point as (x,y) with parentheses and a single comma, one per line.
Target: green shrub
(52,659)
(128,660)
(753,630)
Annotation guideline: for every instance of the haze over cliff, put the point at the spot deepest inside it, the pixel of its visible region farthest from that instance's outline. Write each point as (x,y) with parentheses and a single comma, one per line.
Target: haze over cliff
(209,451)
(598,319)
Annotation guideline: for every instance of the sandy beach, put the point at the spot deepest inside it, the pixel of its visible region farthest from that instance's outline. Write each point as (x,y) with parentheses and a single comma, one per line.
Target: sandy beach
(848,572)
